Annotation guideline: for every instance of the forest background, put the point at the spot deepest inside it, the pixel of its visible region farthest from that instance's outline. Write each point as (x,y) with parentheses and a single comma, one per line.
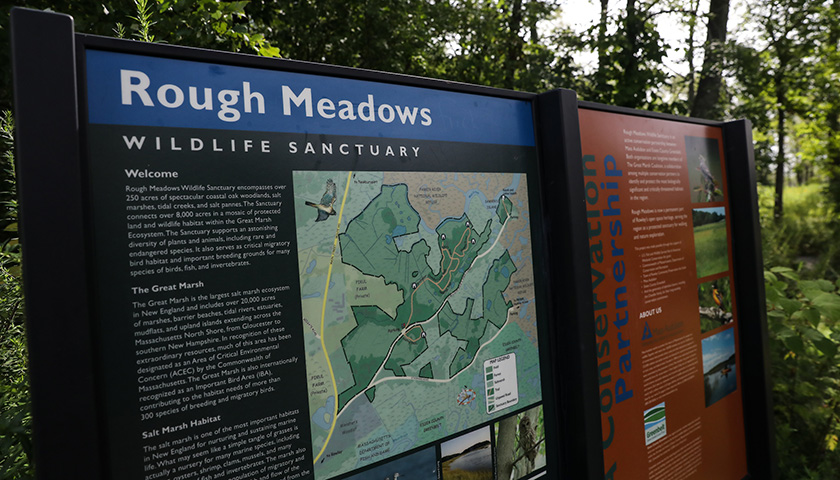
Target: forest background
(775,62)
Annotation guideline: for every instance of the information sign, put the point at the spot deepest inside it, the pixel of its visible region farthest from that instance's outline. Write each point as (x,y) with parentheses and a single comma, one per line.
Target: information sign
(246,268)
(307,272)
(665,297)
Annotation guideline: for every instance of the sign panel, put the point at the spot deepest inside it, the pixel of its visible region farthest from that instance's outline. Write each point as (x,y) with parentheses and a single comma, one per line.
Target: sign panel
(666,317)
(299,276)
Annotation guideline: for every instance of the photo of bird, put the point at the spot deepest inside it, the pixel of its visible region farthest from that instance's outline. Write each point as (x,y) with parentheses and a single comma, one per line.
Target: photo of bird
(325,207)
(528,440)
(716,296)
(710,185)
(715,304)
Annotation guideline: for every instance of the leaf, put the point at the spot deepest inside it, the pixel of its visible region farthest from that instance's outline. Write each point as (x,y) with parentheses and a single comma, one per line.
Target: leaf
(811,288)
(827,347)
(786,332)
(773,295)
(812,334)
(781,269)
(811,315)
(269,51)
(790,306)
(831,442)
(829,305)
(824,344)
(790,275)
(795,344)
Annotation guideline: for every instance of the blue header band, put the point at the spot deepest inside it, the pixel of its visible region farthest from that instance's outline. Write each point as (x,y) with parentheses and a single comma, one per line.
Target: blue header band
(126,89)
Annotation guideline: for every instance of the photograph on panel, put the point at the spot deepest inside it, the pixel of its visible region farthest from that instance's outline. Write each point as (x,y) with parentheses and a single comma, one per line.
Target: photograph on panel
(710,245)
(719,365)
(715,300)
(520,444)
(704,172)
(420,465)
(468,457)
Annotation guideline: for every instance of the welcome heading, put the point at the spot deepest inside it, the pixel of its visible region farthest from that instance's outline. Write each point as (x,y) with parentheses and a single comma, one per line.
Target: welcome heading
(230,104)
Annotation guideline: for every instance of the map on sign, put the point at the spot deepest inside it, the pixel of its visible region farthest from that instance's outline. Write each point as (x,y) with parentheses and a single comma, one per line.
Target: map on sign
(410,282)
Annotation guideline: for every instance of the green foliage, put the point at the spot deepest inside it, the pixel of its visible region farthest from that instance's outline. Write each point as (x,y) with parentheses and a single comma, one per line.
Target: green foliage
(15,417)
(144,21)
(805,236)
(804,325)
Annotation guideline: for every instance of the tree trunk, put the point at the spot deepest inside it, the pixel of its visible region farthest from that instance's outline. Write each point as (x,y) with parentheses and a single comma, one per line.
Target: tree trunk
(505,445)
(706,103)
(514,50)
(833,123)
(833,114)
(602,39)
(628,92)
(778,206)
(694,5)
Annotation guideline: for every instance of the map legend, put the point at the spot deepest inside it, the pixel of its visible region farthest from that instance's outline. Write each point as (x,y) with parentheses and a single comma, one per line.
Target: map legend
(500,384)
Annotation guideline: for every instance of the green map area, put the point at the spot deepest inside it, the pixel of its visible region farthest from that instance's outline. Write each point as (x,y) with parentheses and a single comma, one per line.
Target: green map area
(368,244)
(413,283)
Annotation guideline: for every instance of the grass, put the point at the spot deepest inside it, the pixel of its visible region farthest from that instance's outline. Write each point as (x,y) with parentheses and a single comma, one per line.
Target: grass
(710,249)
(467,475)
(457,474)
(804,237)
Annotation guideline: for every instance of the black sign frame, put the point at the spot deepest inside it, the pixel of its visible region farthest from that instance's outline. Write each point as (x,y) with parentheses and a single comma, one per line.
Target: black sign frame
(67,401)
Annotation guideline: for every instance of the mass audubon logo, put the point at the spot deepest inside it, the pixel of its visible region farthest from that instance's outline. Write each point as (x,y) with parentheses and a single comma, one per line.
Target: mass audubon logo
(655,423)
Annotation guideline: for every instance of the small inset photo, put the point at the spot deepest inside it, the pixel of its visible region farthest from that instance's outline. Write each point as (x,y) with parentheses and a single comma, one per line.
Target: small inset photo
(719,365)
(655,426)
(520,444)
(710,246)
(704,171)
(468,457)
(715,304)
(420,465)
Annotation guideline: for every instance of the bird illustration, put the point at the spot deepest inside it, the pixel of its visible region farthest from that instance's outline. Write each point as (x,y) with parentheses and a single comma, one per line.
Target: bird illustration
(325,207)
(716,296)
(710,185)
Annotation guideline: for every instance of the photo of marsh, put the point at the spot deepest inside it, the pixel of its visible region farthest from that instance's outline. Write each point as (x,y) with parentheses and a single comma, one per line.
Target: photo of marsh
(704,172)
(715,304)
(710,246)
(719,375)
(468,457)
(520,444)
(420,465)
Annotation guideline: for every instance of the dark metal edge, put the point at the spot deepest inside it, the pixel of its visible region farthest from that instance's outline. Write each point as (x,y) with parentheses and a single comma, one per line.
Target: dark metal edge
(568,268)
(748,275)
(58,320)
